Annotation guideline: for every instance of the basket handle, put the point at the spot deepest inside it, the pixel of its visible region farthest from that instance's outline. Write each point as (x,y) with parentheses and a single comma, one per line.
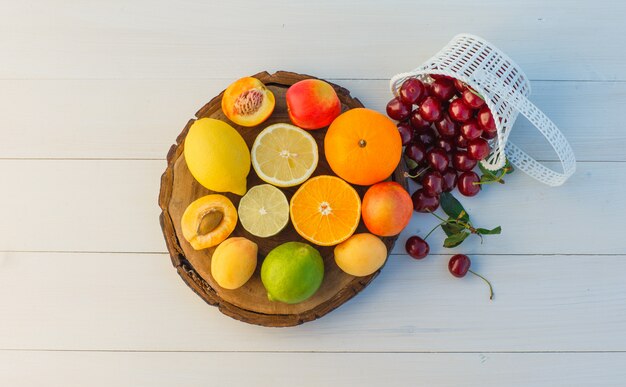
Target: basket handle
(517,156)
(549,130)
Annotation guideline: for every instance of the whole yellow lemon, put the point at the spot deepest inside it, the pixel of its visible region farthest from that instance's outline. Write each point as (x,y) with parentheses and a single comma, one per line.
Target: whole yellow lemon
(361,254)
(217,156)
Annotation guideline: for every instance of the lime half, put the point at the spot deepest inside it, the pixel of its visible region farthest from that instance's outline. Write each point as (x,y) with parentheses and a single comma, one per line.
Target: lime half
(264,211)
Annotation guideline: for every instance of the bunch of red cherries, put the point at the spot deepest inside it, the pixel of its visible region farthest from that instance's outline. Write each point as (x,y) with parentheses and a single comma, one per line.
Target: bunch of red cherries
(445,127)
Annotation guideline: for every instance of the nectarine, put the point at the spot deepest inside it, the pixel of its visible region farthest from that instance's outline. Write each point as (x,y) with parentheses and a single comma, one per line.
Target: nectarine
(387,208)
(312,104)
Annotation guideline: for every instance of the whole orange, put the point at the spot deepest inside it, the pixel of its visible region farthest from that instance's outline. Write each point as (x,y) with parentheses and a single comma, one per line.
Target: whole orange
(386,209)
(363,146)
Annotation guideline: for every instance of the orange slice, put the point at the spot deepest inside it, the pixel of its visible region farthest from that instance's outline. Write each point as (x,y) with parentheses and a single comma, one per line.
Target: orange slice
(325,210)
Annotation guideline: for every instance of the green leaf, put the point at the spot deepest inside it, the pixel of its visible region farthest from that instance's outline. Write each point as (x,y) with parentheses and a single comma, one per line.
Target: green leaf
(487,178)
(452,207)
(509,167)
(455,239)
(451,228)
(411,164)
(485,171)
(485,231)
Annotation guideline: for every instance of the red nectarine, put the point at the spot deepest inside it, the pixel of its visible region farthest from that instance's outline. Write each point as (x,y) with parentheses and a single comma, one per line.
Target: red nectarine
(386,209)
(312,104)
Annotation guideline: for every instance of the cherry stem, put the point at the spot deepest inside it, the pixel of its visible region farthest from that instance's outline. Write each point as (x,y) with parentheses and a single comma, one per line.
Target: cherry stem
(434,228)
(498,179)
(487,281)
(467,226)
(476,93)
(438,217)
(418,174)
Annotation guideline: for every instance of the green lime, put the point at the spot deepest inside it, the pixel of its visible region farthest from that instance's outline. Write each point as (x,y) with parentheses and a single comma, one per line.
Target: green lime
(292,272)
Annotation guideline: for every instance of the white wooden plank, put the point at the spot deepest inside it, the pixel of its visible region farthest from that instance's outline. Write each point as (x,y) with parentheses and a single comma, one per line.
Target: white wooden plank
(141,118)
(111,205)
(191,39)
(67,301)
(69,369)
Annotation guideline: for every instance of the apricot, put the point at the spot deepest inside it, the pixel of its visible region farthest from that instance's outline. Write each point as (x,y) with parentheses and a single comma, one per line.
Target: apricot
(208,220)
(361,254)
(248,102)
(233,262)
(312,104)
(386,209)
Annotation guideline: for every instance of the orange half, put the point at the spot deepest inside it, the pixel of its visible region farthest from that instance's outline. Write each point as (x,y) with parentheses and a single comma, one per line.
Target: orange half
(325,210)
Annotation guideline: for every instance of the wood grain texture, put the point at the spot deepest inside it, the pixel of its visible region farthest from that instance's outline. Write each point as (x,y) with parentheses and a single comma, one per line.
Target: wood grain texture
(250,303)
(140,125)
(366,39)
(109,80)
(129,302)
(310,369)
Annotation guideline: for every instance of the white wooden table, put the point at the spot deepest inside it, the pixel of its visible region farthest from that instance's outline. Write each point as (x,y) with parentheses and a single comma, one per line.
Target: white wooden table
(92,93)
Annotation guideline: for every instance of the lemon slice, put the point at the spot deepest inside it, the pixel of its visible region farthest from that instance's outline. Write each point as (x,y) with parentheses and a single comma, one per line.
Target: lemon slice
(284,155)
(264,211)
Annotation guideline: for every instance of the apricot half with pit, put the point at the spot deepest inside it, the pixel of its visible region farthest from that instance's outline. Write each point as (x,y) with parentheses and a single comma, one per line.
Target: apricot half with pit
(208,221)
(248,102)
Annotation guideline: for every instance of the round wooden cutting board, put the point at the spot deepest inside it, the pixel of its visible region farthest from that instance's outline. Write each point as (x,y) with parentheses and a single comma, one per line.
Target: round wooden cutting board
(249,303)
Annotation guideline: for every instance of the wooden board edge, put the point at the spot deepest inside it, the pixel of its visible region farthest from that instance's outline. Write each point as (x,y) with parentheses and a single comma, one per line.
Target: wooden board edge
(201,287)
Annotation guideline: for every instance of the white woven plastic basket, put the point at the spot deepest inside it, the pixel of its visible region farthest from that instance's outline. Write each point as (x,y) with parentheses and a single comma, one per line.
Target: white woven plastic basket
(505,88)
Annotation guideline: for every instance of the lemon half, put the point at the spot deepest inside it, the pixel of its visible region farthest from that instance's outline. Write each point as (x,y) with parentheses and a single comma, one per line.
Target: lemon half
(264,211)
(284,155)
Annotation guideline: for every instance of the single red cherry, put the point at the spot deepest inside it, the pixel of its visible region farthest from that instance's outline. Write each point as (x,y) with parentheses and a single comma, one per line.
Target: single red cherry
(432,183)
(446,127)
(460,141)
(467,183)
(416,247)
(427,137)
(489,135)
(470,129)
(472,99)
(443,89)
(485,119)
(449,179)
(459,265)
(459,85)
(445,144)
(417,122)
(438,159)
(422,202)
(459,111)
(430,109)
(398,110)
(462,162)
(411,91)
(406,132)
(427,90)
(478,148)
(441,76)
(416,152)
